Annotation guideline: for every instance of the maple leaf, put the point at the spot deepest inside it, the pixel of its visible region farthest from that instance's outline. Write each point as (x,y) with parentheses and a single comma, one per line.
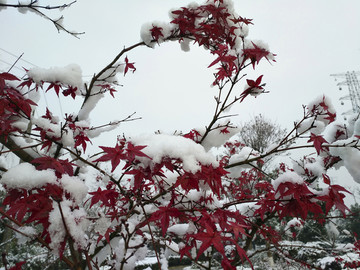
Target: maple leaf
(81,139)
(128,66)
(133,151)
(28,82)
(331,117)
(335,198)
(156,32)
(253,86)
(56,87)
(186,251)
(106,235)
(242,20)
(107,197)
(70,91)
(209,238)
(255,54)
(224,131)
(237,229)
(17,200)
(60,166)
(188,181)
(48,115)
(8,77)
(326,179)
(318,142)
(109,88)
(164,214)
(18,266)
(17,102)
(323,104)
(300,203)
(140,175)
(193,135)
(47,162)
(212,176)
(5,76)
(115,154)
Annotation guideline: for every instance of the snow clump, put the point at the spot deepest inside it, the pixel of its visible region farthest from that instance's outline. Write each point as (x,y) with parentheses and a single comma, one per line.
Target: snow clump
(70,74)
(25,176)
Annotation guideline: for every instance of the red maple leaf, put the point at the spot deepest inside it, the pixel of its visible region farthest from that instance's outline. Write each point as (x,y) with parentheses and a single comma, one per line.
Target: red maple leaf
(129,66)
(212,176)
(107,197)
(255,54)
(330,116)
(81,139)
(326,179)
(237,229)
(56,87)
(193,135)
(252,86)
(106,235)
(5,76)
(70,91)
(318,142)
(210,237)
(156,32)
(335,197)
(18,266)
(299,201)
(163,216)
(242,20)
(27,82)
(115,154)
(47,162)
(225,131)
(133,151)
(60,166)
(188,181)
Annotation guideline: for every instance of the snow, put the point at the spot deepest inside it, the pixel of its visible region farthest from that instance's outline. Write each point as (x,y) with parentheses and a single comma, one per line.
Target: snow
(295,222)
(159,146)
(95,132)
(331,230)
(145,33)
(75,186)
(70,75)
(51,129)
(30,232)
(163,261)
(133,256)
(185,44)
(216,138)
(351,158)
(109,75)
(76,224)
(102,224)
(332,129)
(326,106)
(3,2)
(89,105)
(246,209)
(244,154)
(26,176)
(291,177)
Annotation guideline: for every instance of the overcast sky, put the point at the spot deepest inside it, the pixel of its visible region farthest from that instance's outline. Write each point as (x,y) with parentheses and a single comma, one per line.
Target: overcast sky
(312,39)
(170,89)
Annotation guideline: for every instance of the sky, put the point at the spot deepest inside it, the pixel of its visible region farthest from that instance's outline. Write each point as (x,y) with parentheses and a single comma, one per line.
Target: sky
(170,89)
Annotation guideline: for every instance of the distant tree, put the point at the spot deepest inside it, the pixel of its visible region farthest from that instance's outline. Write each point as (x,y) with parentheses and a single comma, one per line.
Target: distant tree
(103,206)
(260,133)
